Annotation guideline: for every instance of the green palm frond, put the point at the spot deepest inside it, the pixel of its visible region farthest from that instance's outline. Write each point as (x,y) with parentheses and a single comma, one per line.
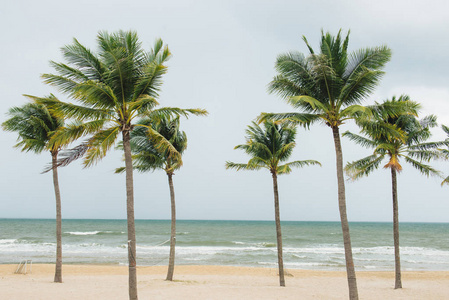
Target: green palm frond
(99,144)
(426,155)
(76,130)
(307,103)
(355,111)
(358,139)
(363,73)
(287,168)
(291,118)
(423,168)
(95,94)
(61,82)
(84,61)
(239,167)
(69,110)
(143,104)
(364,166)
(445,129)
(170,112)
(429,145)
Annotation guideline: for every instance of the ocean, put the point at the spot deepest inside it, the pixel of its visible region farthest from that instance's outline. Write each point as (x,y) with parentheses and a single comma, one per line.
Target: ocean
(307,245)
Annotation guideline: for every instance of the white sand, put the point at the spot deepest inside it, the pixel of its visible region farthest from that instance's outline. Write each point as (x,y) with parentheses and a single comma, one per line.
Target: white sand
(213,282)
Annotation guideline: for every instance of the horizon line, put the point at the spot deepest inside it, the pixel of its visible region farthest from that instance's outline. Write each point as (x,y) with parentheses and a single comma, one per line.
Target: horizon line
(222,220)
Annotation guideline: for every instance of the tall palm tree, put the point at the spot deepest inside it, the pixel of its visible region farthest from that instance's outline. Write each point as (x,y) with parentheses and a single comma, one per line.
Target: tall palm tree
(268,147)
(412,148)
(148,157)
(327,87)
(36,125)
(114,87)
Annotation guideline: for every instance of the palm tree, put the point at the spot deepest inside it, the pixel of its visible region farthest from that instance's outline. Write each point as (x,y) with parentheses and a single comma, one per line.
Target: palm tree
(114,87)
(268,147)
(412,147)
(36,125)
(148,157)
(327,87)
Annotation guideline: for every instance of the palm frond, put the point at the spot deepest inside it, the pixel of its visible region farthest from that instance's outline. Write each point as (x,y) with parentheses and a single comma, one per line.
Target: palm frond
(423,168)
(68,156)
(286,168)
(99,144)
(445,181)
(291,118)
(74,131)
(358,139)
(363,167)
(239,167)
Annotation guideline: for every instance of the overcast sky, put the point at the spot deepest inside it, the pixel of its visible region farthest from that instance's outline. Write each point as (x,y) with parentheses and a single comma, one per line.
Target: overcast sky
(223,59)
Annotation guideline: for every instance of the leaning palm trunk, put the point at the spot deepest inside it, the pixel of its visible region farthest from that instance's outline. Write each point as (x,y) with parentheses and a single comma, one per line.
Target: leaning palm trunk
(278,230)
(130,217)
(397,259)
(171,259)
(58,269)
(350,271)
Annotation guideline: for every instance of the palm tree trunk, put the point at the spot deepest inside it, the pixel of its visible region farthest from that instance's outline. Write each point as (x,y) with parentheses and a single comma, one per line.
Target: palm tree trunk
(350,271)
(171,259)
(130,217)
(58,269)
(397,258)
(278,230)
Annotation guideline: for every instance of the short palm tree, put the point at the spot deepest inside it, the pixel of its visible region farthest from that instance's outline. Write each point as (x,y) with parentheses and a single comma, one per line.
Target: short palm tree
(148,157)
(36,125)
(411,147)
(114,87)
(268,147)
(327,87)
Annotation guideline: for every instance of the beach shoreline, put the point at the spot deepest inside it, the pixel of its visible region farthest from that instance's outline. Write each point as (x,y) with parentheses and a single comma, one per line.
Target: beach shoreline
(214,282)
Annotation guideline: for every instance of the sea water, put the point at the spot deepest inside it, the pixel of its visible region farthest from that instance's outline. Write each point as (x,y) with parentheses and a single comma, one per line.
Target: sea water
(307,245)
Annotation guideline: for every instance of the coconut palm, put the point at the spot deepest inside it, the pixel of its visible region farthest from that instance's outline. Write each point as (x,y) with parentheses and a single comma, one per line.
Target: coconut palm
(411,147)
(114,87)
(36,125)
(268,147)
(327,87)
(148,157)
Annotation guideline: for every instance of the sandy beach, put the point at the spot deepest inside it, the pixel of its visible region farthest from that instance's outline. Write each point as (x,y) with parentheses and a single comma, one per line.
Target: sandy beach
(213,282)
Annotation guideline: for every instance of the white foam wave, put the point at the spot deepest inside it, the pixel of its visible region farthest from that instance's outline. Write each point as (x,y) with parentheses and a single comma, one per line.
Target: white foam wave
(82,232)
(8,241)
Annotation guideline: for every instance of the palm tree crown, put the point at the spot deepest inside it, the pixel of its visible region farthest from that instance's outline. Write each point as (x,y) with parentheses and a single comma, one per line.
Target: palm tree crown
(410,144)
(35,126)
(268,147)
(148,155)
(329,85)
(114,87)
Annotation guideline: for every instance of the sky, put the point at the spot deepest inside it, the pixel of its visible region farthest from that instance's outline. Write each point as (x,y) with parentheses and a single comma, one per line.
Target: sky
(223,59)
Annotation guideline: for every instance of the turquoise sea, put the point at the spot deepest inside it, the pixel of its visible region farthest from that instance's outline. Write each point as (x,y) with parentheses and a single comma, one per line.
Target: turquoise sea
(307,245)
